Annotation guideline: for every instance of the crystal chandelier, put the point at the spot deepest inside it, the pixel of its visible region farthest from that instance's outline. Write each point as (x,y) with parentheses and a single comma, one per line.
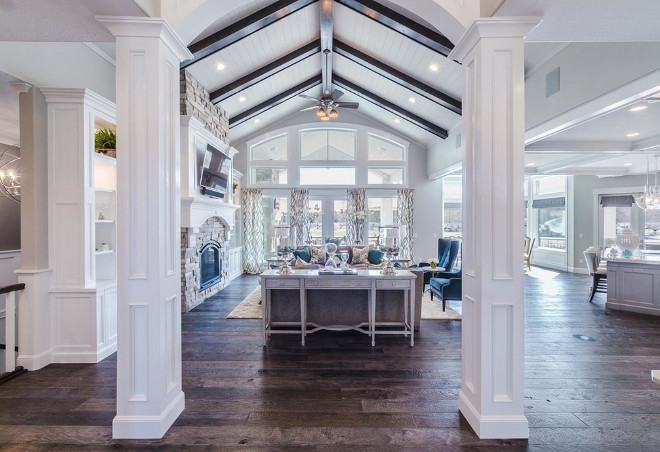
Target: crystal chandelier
(650,199)
(10,178)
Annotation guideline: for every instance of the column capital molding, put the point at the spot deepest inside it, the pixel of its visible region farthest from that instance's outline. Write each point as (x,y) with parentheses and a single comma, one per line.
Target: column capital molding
(144,27)
(20,87)
(492,27)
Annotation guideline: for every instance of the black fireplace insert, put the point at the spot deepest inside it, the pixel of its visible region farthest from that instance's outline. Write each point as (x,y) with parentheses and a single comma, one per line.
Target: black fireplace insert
(210,264)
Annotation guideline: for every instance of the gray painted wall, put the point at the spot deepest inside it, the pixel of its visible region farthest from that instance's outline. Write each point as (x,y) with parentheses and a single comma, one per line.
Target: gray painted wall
(10,221)
(583,209)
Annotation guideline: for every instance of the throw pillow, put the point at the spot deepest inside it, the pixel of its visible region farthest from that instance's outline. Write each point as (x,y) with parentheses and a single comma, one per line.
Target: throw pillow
(360,255)
(300,263)
(317,255)
(303,254)
(375,256)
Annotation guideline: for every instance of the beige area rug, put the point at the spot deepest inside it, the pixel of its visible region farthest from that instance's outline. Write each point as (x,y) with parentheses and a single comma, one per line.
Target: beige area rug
(431,310)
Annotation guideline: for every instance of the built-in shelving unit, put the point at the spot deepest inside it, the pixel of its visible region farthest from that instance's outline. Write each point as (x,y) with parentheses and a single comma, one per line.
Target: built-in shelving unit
(82,227)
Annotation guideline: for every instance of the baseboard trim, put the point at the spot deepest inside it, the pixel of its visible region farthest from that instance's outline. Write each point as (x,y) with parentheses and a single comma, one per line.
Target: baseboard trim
(493,427)
(34,362)
(90,357)
(148,427)
(580,270)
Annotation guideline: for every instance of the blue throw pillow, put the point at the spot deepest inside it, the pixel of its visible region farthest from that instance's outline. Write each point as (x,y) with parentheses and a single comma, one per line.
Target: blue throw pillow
(303,254)
(375,256)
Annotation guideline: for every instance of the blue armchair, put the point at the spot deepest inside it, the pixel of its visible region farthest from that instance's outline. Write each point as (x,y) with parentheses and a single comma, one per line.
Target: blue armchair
(447,254)
(447,288)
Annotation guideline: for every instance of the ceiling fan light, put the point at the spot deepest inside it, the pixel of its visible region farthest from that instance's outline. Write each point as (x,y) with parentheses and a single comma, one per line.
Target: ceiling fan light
(320,113)
(325,118)
(333,113)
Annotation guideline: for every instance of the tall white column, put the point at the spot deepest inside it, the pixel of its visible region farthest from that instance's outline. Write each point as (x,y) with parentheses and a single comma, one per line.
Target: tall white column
(149,395)
(491,396)
(34,309)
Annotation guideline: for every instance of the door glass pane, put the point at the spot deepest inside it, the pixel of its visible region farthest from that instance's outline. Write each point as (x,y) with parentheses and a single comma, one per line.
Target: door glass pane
(339,224)
(315,221)
(276,211)
(452,203)
(382,211)
(615,219)
(652,229)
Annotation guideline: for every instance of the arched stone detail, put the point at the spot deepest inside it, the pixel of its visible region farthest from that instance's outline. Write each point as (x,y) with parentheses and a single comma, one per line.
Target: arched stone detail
(193,240)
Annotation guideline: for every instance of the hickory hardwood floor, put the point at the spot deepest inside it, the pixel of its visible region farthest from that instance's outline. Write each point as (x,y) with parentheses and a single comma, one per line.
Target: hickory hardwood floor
(338,393)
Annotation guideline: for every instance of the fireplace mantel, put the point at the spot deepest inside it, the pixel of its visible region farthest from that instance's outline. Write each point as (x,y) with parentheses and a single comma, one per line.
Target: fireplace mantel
(194,211)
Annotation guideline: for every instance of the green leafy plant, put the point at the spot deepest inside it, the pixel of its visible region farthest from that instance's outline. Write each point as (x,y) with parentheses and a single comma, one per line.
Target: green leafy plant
(105,139)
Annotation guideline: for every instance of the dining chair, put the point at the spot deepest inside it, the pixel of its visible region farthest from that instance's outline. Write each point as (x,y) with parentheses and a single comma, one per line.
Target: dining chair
(527,256)
(598,275)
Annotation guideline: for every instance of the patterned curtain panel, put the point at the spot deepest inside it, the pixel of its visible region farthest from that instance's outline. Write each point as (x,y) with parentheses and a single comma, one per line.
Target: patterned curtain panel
(299,206)
(356,215)
(253,230)
(405,211)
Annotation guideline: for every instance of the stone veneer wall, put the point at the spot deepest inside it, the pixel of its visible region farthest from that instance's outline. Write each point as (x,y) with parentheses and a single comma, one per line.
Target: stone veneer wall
(192,241)
(196,101)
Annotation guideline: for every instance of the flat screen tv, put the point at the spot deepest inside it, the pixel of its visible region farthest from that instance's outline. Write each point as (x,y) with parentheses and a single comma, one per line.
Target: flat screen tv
(216,173)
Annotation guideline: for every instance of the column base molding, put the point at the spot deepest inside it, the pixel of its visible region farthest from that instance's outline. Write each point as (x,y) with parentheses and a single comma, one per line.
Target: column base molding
(493,427)
(34,362)
(148,427)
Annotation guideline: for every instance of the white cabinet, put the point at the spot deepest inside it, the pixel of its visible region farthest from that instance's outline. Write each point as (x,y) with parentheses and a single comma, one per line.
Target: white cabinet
(82,227)
(633,285)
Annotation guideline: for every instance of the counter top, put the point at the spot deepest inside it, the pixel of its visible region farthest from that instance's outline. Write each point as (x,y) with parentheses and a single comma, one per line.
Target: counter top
(635,260)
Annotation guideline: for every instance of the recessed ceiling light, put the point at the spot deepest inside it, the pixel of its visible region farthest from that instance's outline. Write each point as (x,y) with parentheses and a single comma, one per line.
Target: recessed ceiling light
(627,164)
(257,120)
(434,67)
(220,67)
(241,99)
(397,120)
(411,100)
(639,108)
(530,164)
(633,134)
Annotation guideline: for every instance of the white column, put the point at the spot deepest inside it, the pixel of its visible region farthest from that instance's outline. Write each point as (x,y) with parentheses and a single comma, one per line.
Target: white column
(149,395)
(34,310)
(491,396)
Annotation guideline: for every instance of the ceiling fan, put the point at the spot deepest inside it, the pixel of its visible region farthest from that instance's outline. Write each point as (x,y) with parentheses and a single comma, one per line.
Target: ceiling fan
(326,106)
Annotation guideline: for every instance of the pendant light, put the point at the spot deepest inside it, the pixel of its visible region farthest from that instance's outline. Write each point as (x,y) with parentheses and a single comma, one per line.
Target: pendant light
(644,200)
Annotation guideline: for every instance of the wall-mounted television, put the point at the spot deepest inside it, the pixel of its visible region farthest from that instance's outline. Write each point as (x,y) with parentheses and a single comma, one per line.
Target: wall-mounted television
(216,173)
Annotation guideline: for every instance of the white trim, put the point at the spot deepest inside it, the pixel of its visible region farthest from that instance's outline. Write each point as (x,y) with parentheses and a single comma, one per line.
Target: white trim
(148,427)
(34,362)
(493,427)
(83,357)
(582,271)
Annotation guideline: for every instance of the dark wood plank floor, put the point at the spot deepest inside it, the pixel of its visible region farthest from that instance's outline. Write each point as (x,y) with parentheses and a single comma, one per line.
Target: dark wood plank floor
(339,393)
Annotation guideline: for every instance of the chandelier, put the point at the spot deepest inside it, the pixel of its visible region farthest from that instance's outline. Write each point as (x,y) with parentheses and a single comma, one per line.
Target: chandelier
(650,199)
(10,178)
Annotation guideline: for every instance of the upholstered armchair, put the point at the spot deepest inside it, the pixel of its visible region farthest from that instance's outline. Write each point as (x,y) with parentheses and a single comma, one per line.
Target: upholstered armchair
(447,288)
(447,254)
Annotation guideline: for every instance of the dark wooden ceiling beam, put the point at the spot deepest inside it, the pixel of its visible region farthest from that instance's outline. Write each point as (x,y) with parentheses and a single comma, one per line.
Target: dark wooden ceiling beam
(392,108)
(266,71)
(274,101)
(243,28)
(398,77)
(401,24)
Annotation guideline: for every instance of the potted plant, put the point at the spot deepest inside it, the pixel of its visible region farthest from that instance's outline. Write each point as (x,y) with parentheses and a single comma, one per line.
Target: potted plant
(433,262)
(105,142)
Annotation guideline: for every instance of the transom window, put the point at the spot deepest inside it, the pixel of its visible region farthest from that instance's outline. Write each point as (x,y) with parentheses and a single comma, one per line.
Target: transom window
(271,149)
(385,176)
(327,176)
(327,144)
(381,149)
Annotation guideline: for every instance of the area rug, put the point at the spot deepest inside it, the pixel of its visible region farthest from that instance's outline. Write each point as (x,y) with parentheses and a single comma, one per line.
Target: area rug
(250,308)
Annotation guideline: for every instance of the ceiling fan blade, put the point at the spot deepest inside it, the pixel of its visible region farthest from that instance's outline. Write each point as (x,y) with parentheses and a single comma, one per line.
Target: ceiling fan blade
(336,94)
(308,97)
(315,107)
(347,104)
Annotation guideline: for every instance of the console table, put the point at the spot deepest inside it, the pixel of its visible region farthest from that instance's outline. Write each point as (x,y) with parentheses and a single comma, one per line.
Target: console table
(337,298)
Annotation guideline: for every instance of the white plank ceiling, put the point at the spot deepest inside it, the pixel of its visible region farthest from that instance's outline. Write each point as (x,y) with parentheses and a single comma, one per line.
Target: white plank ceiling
(302,27)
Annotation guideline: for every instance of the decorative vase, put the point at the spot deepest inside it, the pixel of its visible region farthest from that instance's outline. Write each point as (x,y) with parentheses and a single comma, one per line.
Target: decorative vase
(627,241)
(434,265)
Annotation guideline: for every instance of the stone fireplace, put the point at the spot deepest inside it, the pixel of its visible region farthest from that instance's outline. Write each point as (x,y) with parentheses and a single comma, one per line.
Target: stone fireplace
(203,262)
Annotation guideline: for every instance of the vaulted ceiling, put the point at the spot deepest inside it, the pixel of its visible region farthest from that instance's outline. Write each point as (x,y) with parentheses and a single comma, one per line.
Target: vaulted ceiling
(258,59)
